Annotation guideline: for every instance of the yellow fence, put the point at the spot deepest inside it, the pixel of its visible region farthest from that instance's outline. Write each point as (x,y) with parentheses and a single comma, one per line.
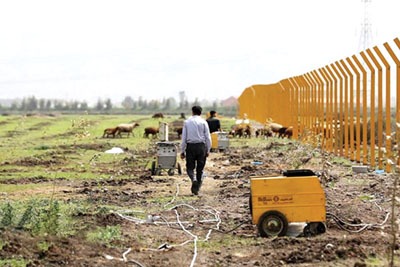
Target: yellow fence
(350,107)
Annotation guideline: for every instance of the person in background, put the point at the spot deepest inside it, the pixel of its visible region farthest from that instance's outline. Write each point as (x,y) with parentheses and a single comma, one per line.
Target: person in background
(213,123)
(195,147)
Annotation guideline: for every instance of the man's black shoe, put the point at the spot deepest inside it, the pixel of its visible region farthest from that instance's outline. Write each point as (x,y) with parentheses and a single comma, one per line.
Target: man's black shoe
(195,187)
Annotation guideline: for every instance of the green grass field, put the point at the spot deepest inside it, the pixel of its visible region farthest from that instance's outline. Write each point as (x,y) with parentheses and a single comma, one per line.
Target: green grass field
(71,146)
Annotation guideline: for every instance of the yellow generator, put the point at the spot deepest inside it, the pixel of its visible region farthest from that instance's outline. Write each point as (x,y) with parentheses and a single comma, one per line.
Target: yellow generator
(296,196)
(219,141)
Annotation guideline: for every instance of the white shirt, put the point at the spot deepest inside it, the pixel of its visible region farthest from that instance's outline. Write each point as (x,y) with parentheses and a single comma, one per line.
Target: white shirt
(195,130)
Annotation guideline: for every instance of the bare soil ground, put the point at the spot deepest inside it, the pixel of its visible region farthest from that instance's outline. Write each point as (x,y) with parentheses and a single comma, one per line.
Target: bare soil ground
(165,225)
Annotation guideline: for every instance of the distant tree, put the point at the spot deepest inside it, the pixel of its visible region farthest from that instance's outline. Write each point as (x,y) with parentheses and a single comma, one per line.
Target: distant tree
(99,105)
(128,103)
(182,99)
(14,105)
(196,102)
(42,104)
(48,104)
(135,105)
(108,104)
(154,105)
(186,104)
(215,105)
(23,105)
(140,102)
(83,105)
(58,105)
(144,105)
(74,105)
(67,105)
(32,103)
(170,103)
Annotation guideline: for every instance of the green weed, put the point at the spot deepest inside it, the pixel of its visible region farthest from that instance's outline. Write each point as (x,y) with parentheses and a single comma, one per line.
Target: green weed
(7,215)
(43,246)
(14,262)
(105,235)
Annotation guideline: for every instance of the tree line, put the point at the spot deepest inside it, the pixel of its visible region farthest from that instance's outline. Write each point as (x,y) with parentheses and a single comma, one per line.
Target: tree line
(128,104)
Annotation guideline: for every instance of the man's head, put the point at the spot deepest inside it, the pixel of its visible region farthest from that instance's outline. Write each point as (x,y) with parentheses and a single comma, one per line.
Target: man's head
(196,110)
(213,113)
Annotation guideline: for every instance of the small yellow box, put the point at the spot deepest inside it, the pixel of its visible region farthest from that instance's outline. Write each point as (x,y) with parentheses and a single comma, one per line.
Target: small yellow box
(277,201)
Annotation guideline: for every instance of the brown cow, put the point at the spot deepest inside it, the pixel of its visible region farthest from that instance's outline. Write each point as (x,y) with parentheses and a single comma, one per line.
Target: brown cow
(281,132)
(110,132)
(178,130)
(241,131)
(158,116)
(274,127)
(126,128)
(263,131)
(289,132)
(150,131)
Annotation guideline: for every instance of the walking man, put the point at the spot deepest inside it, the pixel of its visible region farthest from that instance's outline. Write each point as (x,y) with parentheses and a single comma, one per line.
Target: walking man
(213,123)
(195,147)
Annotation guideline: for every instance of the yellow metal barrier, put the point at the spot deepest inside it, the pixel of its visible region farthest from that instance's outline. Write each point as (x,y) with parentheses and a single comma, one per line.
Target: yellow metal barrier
(346,105)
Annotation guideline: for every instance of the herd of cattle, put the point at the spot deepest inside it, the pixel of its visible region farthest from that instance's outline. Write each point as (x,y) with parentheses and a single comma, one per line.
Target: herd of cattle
(238,130)
(269,129)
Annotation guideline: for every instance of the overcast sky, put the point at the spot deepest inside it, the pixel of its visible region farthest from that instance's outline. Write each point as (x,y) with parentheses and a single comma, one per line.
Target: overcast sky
(211,49)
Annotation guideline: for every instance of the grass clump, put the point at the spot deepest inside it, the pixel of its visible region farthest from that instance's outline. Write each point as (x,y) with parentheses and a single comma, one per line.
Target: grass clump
(105,235)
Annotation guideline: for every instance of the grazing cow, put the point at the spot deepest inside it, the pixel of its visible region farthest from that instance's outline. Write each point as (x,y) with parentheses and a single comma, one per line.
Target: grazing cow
(241,131)
(281,132)
(289,132)
(150,131)
(179,131)
(110,132)
(274,127)
(126,128)
(266,132)
(158,116)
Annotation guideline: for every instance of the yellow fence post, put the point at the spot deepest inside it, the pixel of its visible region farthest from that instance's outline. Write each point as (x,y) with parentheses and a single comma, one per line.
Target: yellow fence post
(350,107)
(306,91)
(379,127)
(333,101)
(344,107)
(372,108)
(387,106)
(293,116)
(329,109)
(364,105)
(324,126)
(338,96)
(300,103)
(295,90)
(313,102)
(357,100)
(320,104)
(397,61)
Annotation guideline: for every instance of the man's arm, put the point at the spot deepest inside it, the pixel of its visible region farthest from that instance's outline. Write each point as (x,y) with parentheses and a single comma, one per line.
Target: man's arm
(207,137)
(183,142)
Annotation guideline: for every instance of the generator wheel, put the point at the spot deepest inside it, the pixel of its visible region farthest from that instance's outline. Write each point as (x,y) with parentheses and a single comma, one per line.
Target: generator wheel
(314,228)
(153,168)
(321,228)
(272,223)
(179,169)
(171,172)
